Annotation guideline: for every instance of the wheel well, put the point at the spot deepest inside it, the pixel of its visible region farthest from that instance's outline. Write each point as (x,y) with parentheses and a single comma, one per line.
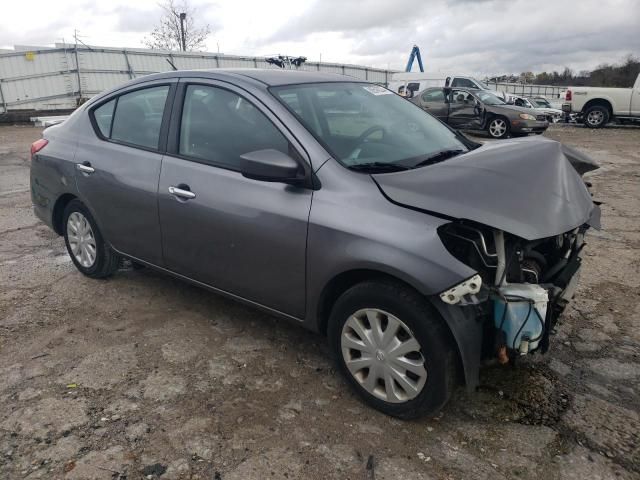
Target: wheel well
(58,211)
(340,284)
(344,281)
(598,101)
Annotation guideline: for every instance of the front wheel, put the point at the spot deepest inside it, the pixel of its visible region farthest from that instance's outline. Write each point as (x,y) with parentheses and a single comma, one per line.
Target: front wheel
(498,127)
(87,249)
(392,347)
(596,116)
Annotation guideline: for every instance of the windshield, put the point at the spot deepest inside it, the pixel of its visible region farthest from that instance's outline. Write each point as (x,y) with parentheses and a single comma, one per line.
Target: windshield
(489,98)
(363,124)
(483,85)
(540,102)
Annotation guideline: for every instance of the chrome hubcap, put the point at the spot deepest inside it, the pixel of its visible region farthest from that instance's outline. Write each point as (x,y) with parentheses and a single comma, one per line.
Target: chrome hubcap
(81,239)
(383,355)
(497,127)
(595,117)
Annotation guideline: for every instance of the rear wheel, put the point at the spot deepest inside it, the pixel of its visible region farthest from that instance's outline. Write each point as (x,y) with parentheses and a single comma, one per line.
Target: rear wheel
(596,116)
(393,348)
(87,249)
(498,127)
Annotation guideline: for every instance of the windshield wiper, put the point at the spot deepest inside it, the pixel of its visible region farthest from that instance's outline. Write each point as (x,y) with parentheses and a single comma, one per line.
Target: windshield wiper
(438,157)
(377,167)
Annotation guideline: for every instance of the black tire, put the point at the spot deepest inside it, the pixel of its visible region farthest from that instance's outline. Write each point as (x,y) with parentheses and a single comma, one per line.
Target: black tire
(426,326)
(505,132)
(596,116)
(106,260)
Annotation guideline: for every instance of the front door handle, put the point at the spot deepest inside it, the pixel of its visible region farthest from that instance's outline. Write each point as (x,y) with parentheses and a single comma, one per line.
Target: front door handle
(182,191)
(85,167)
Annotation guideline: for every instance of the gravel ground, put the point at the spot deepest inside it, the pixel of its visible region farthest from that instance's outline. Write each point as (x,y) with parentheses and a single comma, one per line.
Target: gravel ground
(141,376)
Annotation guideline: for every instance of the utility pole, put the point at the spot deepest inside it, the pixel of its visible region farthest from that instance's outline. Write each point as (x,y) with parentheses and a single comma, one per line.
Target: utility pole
(183,17)
(75,36)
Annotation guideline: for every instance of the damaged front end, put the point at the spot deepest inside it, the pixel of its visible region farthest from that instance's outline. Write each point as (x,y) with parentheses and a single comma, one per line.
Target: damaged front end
(518,211)
(521,288)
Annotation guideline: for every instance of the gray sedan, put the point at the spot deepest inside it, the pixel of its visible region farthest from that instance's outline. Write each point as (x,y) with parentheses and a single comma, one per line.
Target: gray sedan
(469,109)
(333,203)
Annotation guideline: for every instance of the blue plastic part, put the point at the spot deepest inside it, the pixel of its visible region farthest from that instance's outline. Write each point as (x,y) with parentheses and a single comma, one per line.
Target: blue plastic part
(520,316)
(414,55)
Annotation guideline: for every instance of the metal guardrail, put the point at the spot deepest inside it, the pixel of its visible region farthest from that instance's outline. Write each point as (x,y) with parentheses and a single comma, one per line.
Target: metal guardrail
(61,77)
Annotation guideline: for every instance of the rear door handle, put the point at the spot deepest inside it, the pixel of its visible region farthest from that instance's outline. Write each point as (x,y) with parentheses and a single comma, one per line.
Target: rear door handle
(85,167)
(182,192)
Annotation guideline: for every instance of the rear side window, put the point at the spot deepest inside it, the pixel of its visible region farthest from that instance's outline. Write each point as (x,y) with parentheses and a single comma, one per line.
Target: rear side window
(138,117)
(133,118)
(103,116)
(218,126)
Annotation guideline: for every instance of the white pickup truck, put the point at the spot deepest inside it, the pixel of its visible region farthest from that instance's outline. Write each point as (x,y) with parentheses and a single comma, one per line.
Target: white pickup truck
(597,106)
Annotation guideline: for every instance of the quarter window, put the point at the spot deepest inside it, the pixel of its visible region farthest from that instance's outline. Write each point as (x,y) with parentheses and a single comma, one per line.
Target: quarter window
(463,82)
(103,116)
(138,116)
(218,126)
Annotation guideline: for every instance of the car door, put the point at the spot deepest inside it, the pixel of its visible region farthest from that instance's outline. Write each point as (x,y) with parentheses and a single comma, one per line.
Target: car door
(464,111)
(433,101)
(118,167)
(245,237)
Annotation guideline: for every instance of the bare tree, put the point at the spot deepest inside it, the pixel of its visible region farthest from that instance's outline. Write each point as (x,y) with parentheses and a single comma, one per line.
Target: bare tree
(168,34)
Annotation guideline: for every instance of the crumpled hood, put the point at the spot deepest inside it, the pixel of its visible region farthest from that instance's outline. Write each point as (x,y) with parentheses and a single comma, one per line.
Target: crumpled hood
(526,187)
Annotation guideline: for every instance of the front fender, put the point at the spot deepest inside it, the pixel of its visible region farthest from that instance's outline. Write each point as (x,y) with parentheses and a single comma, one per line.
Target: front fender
(466,329)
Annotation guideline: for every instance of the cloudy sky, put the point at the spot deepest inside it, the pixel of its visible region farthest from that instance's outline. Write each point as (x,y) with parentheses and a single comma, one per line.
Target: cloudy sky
(459,36)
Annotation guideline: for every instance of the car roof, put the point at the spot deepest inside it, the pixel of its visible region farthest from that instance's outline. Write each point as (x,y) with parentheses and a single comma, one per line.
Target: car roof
(270,77)
(275,77)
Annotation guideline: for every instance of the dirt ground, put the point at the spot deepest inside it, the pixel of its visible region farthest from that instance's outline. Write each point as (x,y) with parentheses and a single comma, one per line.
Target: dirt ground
(142,376)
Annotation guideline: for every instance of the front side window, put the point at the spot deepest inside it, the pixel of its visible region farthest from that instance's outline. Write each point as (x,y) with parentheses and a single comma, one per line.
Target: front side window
(361,123)
(218,126)
(136,119)
(461,97)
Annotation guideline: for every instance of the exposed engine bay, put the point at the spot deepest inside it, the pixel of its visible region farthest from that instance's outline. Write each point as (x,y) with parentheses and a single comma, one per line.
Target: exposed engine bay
(522,286)
(517,215)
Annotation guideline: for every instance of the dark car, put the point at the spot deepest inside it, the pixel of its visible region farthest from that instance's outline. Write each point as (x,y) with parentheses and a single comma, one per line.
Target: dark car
(471,109)
(330,202)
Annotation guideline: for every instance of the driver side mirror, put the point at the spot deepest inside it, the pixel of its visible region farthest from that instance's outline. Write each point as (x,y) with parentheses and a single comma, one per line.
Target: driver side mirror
(270,166)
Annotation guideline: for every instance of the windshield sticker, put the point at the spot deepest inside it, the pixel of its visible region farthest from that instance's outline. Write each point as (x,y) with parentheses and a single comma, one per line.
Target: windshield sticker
(377,90)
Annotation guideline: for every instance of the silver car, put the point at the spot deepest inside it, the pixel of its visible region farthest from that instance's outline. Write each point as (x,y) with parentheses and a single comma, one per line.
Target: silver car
(331,202)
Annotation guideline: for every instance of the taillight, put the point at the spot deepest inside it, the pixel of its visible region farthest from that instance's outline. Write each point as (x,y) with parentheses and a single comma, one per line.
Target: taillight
(567,96)
(38,145)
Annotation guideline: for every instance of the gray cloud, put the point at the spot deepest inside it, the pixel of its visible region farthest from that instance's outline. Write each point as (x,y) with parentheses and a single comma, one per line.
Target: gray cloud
(463,36)
(486,36)
(133,19)
(346,16)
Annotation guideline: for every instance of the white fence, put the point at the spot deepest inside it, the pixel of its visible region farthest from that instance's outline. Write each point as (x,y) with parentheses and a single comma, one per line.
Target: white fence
(529,90)
(58,78)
